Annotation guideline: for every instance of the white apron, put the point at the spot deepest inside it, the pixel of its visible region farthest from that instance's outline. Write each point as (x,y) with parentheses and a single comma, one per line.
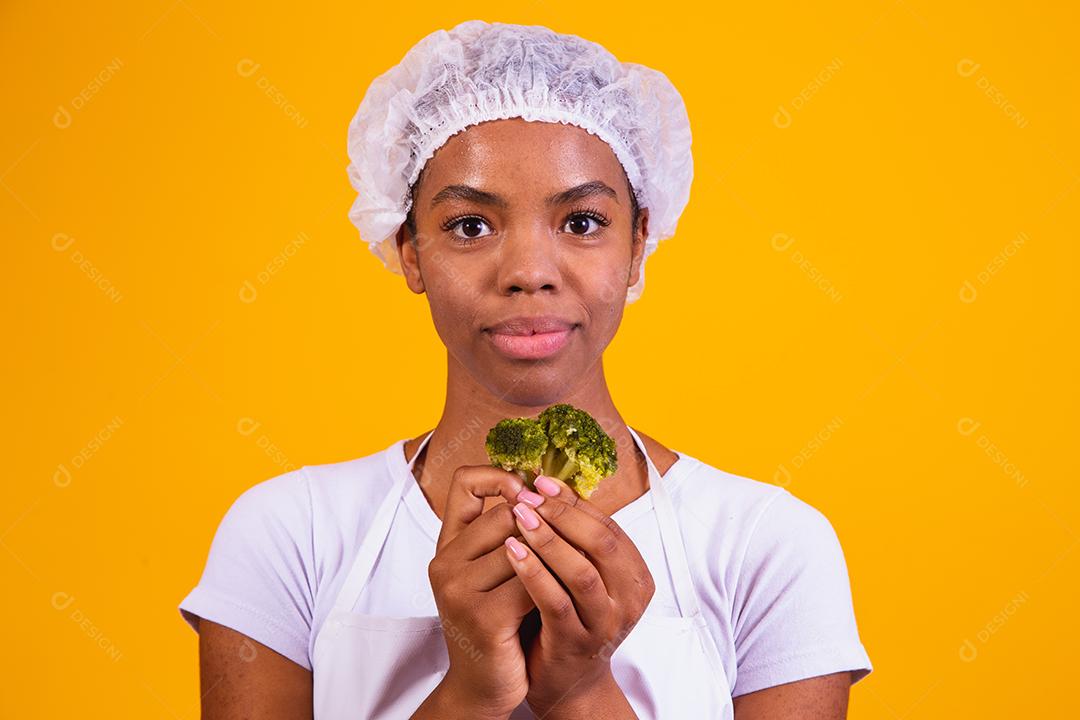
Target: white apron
(368,666)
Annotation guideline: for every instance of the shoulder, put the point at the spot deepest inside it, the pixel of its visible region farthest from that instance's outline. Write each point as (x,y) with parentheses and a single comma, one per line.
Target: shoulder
(761,546)
(335,497)
(285,491)
(772,574)
(278,544)
(715,495)
(754,521)
(283,499)
(345,494)
(725,496)
(359,475)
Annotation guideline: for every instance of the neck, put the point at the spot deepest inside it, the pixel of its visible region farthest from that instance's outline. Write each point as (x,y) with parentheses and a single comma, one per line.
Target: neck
(471,410)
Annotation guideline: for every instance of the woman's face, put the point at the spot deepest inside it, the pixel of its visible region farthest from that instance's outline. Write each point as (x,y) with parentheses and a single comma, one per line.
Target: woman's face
(525,250)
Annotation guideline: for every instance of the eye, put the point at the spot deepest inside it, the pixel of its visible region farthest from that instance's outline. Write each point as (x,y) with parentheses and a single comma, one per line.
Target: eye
(578,223)
(467,229)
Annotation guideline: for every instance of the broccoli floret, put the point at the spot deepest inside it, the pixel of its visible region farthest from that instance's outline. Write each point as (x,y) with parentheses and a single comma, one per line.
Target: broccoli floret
(517,445)
(563,442)
(580,453)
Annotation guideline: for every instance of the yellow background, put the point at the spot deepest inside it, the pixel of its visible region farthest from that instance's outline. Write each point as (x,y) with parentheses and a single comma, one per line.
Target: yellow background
(871,299)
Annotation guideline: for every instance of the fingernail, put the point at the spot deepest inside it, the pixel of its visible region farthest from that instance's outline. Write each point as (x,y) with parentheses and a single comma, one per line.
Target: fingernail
(530,498)
(547,486)
(516,548)
(528,518)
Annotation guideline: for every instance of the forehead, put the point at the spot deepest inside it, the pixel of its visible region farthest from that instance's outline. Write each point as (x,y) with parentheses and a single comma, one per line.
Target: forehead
(517,156)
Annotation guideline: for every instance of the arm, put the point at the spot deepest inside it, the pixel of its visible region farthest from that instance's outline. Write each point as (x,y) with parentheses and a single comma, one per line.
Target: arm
(240,677)
(448,703)
(251,605)
(794,623)
(818,698)
(606,702)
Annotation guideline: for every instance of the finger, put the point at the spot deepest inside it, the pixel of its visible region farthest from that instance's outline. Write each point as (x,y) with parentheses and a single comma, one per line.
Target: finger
(557,609)
(513,596)
(580,577)
(556,489)
(482,535)
(553,487)
(610,549)
(488,571)
(469,486)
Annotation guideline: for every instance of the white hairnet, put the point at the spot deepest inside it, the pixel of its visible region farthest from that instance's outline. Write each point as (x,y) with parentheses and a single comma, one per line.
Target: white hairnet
(481,71)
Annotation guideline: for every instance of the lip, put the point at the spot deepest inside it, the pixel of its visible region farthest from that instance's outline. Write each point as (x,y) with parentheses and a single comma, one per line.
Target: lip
(531,338)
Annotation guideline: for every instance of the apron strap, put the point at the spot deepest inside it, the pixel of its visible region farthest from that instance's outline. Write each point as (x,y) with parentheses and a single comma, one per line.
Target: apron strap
(671,538)
(375,538)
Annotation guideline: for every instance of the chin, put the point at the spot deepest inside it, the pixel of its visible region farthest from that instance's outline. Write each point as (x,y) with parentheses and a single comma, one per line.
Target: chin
(530,386)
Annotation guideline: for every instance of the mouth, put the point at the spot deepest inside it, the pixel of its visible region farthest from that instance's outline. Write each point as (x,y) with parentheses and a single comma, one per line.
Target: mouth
(531,339)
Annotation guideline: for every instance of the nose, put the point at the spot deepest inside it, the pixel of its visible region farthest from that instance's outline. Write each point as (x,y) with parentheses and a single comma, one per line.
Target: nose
(528,263)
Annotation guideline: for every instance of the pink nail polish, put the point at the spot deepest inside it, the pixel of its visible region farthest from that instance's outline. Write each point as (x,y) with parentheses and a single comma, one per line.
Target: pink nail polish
(530,498)
(529,519)
(516,548)
(547,486)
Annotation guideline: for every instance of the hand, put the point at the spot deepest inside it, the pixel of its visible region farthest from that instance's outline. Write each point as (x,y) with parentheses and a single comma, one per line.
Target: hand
(596,589)
(480,600)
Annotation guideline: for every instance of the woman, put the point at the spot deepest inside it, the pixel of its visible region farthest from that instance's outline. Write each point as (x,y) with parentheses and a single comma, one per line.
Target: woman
(519,178)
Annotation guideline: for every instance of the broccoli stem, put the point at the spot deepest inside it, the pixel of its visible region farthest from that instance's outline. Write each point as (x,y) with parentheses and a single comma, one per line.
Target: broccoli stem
(547,462)
(569,470)
(558,464)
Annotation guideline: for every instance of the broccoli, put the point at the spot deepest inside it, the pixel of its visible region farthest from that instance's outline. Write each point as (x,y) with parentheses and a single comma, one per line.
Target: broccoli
(563,442)
(517,445)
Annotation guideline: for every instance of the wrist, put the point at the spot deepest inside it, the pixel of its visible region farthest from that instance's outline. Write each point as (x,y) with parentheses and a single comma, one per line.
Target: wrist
(455,700)
(601,698)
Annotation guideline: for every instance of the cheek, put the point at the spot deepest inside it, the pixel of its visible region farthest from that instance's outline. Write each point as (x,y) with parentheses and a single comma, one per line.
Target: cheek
(606,312)
(604,287)
(453,309)
(452,296)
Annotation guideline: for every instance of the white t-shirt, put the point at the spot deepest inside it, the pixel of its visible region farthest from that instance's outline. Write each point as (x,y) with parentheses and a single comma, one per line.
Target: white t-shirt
(767,567)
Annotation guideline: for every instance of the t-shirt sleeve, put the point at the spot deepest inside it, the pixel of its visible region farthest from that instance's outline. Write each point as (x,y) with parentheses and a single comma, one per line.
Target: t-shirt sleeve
(258,575)
(793,615)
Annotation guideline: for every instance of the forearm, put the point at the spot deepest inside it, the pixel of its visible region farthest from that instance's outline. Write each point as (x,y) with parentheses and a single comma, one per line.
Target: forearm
(444,703)
(605,701)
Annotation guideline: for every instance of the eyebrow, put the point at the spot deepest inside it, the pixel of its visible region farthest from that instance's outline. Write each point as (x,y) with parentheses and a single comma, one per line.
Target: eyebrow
(483,197)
